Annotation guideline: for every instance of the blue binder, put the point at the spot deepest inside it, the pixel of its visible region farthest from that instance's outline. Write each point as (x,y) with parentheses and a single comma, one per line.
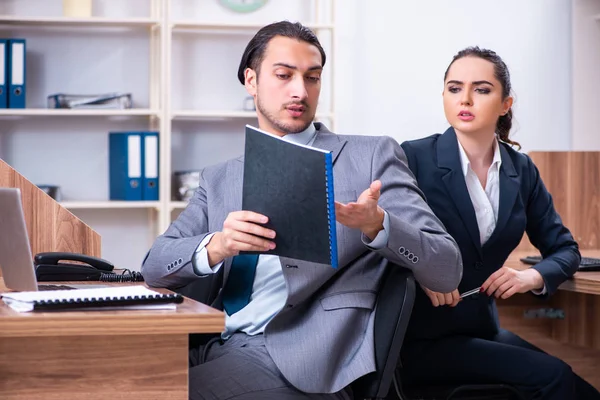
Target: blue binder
(16,73)
(125,166)
(3,73)
(150,170)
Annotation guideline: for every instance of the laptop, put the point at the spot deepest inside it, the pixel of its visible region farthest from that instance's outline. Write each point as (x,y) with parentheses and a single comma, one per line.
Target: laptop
(16,261)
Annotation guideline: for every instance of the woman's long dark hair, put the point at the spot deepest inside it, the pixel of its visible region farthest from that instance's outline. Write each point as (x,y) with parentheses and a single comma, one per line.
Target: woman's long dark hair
(501,72)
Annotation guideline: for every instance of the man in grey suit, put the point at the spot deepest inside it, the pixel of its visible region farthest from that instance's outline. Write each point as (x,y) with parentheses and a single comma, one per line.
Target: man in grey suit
(296,329)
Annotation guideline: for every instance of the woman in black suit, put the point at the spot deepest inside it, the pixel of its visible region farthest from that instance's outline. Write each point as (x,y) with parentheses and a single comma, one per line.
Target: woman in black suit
(487,195)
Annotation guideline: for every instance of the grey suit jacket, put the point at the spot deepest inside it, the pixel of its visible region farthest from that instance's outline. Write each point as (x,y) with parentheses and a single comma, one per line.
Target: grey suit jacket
(322,340)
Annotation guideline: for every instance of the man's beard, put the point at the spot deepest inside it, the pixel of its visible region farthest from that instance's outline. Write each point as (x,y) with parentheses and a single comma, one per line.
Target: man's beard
(279,125)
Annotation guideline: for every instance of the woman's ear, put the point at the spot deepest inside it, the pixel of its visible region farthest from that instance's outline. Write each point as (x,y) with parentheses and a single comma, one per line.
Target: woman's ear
(506,105)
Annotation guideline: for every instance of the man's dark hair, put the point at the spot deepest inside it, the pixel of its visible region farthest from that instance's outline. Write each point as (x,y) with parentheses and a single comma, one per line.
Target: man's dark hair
(255,51)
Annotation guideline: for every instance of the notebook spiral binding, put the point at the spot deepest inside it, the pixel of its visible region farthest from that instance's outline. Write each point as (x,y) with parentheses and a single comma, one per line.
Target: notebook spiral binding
(331,210)
(94,302)
(125,276)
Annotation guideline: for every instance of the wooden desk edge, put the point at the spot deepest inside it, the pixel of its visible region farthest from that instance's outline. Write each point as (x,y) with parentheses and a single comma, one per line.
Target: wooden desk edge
(189,317)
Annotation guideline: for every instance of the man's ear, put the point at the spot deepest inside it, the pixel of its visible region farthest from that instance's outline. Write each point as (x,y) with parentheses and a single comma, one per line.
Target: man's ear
(250,79)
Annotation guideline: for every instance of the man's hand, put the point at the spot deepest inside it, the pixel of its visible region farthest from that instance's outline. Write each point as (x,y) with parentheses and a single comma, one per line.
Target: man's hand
(364,214)
(507,281)
(442,299)
(241,232)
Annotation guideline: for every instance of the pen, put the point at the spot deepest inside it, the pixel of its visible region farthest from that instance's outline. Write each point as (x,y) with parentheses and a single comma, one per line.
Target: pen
(470,292)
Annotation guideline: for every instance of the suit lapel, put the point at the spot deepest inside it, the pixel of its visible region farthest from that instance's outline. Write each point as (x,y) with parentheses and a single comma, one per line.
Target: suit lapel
(448,158)
(327,140)
(509,188)
(232,187)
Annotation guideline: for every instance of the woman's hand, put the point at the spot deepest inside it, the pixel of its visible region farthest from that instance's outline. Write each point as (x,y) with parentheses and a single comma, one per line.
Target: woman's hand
(507,281)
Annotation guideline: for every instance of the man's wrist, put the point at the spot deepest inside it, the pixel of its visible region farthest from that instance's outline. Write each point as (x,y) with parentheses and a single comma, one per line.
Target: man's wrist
(372,230)
(212,250)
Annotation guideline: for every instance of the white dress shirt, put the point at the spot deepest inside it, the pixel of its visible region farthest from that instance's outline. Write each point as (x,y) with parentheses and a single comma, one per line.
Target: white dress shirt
(485,201)
(269,290)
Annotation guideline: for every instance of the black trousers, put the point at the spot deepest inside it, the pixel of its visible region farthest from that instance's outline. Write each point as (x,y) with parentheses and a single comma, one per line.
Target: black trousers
(502,358)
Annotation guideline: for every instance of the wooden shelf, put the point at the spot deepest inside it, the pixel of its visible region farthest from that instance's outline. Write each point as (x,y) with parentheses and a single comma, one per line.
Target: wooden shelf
(175,205)
(101,205)
(198,25)
(183,115)
(77,22)
(218,115)
(83,112)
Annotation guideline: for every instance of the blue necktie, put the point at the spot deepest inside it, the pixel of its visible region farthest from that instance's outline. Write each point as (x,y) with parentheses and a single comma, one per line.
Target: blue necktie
(238,288)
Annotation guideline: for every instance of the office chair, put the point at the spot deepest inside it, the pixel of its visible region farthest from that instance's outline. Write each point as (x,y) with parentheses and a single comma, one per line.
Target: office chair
(394,306)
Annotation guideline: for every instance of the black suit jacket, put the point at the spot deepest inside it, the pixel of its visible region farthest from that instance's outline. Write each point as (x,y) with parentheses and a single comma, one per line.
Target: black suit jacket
(525,206)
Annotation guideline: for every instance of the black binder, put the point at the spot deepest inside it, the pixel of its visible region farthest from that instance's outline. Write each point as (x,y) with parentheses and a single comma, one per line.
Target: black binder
(292,184)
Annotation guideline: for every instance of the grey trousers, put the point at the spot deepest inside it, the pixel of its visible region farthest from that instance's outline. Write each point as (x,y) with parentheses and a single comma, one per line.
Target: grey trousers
(241,369)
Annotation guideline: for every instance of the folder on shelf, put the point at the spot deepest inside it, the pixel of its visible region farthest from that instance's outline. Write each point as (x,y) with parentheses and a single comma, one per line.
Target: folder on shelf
(125,166)
(150,170)
(3,73)
(16,73)
(292,184)
(99,101)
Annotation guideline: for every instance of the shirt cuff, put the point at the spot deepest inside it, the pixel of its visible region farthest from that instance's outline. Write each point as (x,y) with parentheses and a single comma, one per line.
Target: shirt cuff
(200,259)
(540,292)
(381,240)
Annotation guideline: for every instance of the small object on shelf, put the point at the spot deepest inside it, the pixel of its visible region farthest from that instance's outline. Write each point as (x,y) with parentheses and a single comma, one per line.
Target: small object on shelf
(185,184)
(52,191)
(243,6)
(249,104)
(98,101)
(77,8)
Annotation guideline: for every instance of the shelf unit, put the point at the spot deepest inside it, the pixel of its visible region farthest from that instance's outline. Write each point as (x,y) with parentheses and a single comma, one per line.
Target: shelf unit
(164,28)
(78,22)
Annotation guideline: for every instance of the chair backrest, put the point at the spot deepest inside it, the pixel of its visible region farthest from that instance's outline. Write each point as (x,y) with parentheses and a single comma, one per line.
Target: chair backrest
(394,306)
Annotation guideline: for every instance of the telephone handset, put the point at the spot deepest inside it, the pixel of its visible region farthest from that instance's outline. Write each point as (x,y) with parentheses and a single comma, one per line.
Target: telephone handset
(49,268)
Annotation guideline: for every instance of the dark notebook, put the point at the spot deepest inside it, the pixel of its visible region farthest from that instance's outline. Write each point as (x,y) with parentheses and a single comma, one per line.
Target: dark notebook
(292,184)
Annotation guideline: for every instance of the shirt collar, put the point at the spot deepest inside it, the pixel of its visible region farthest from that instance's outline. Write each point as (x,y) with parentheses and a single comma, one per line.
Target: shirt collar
(466,164)
(304,137)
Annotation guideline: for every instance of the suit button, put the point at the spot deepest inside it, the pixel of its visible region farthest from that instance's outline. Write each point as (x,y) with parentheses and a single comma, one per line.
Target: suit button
(478,265)
(180,261)
(401,250)
(415,260)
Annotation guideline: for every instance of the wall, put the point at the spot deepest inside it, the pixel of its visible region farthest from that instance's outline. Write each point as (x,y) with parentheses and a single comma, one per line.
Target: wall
(391,57)
(388,63)
(586,64)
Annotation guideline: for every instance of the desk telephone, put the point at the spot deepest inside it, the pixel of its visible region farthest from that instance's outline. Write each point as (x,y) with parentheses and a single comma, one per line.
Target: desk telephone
(49,268)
